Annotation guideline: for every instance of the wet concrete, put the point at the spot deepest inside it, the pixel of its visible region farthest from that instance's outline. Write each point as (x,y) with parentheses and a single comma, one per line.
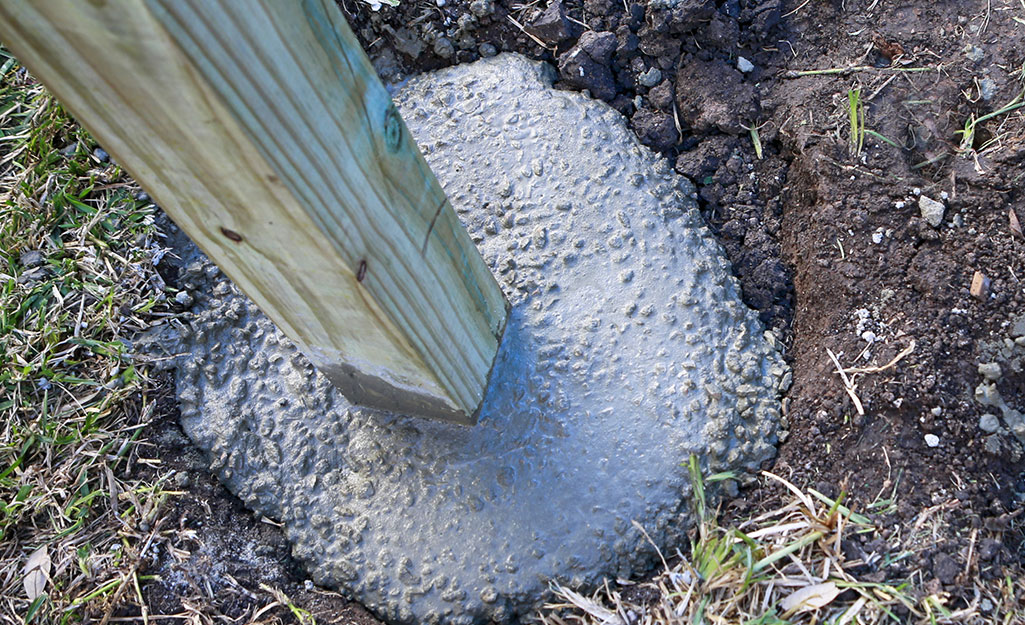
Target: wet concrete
(627,349)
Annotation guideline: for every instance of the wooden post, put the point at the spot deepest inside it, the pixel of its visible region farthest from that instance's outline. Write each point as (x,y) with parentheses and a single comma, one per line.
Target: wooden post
(261,128)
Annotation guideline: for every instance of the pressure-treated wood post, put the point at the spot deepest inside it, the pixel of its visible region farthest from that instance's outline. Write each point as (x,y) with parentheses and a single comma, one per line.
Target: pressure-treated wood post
(261,128)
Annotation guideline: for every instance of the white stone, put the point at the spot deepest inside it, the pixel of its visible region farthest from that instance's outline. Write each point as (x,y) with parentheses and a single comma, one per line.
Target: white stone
(932,440)
(932,210)
(989,423)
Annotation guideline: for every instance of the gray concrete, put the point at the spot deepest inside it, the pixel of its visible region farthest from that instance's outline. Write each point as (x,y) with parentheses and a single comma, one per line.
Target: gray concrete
(627,349)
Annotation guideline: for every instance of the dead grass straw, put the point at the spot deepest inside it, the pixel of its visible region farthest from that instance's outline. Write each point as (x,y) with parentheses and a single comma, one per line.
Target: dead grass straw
(781,567)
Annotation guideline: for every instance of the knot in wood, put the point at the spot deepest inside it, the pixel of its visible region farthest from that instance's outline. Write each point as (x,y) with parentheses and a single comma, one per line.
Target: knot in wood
(392,129)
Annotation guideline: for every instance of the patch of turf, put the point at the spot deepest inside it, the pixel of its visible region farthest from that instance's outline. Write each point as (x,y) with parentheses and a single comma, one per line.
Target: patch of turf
(78,256)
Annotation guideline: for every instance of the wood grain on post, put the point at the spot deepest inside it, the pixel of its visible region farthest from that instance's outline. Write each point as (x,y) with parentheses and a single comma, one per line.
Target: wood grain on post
(261,128)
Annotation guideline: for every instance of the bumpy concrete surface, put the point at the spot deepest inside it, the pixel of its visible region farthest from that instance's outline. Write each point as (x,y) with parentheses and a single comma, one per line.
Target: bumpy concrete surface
(627,349)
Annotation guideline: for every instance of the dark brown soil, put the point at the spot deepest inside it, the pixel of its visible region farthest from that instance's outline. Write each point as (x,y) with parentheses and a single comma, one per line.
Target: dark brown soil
(827,240)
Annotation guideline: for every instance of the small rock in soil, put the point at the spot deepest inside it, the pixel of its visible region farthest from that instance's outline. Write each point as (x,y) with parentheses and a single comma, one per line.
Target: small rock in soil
(932,440)
(650,78)
(993,445)
(443,47)
(552,27)
(989,423)
(626,42)
(722,32)
(657,130)
(932,211)
(980,286)
(991,371)
(661,96)
(683,15)
(989,548)
(407,42)
(482,8)
(586,65)
(744,65)
(945,568)
(598,46)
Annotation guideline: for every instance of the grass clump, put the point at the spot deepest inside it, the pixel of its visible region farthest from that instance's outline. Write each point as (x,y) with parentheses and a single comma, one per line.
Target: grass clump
(783,567)
(78,256)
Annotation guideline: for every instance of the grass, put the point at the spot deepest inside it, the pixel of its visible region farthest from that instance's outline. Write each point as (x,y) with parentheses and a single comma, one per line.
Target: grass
(78,255)
(786,566)
(82,499)
(856,119)
(972,124)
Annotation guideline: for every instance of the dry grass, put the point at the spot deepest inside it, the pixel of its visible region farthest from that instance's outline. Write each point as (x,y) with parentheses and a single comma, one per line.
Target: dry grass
(83,499)
(78,250)
(786,566)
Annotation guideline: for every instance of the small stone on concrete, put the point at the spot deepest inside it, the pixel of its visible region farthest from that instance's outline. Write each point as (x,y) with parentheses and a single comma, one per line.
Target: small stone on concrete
(932,440)
(932,210)
(989,423)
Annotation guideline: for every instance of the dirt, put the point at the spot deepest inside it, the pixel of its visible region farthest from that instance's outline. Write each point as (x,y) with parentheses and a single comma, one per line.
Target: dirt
(828,240)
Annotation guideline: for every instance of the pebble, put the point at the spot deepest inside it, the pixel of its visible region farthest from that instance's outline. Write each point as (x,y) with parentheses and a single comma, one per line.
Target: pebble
(987,88)
(932,440)
(650,78)
(991,371)
(945,568)
(101,155)
(31,258)
(932,210)
(974,53)
(482,8)
(979,288)
(444,48)
(989,423)
(744,65)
